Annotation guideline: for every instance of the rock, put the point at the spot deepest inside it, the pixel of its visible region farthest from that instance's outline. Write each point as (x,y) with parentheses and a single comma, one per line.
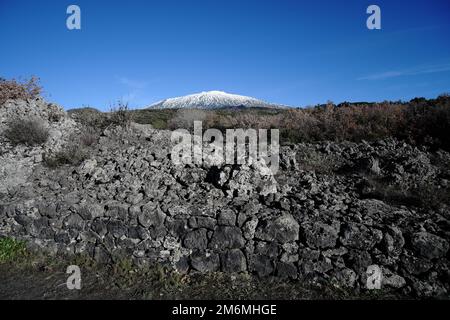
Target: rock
(249,228)
(358,260)
(227,218)
(286,270)
(415,265)
(205,261)
(393,241)
(429,245)
(233,261)
(117,229)
(345,278)
(392,280)
(151,216)
(196,239)
(227,238)
(92,211)
(320,235)
(260,264)
(245,180)
(74,221)
(282,229)
(359,236)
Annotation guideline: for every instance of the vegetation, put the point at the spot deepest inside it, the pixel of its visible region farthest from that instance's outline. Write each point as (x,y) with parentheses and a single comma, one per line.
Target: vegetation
(419,121)
(75,152)
(39,274)
(27,131)
(119,114)
(20,90)
(11,250)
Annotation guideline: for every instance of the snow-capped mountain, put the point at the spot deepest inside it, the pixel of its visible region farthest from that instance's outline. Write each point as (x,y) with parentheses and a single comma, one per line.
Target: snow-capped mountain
(212,100)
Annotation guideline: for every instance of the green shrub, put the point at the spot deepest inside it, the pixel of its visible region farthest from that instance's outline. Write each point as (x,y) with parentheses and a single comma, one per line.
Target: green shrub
(26,131)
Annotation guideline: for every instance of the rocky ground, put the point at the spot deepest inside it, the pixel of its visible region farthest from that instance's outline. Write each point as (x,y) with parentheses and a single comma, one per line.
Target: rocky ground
(331,213)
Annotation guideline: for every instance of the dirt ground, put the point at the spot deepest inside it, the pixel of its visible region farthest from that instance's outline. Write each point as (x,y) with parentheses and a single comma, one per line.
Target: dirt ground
(34,278)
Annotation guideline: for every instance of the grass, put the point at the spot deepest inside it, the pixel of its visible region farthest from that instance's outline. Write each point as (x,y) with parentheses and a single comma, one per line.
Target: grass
(11,250)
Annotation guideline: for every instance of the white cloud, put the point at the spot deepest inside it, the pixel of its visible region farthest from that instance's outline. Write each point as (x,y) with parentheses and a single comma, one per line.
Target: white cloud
(409,72)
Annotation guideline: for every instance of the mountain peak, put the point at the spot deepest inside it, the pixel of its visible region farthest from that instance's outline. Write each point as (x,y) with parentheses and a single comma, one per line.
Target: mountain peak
(211,100)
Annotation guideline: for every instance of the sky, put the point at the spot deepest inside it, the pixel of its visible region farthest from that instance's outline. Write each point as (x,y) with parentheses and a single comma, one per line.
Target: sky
(295,53)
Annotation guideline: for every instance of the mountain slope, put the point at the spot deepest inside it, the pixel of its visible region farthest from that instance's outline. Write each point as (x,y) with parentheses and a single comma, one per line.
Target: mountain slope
(211,100)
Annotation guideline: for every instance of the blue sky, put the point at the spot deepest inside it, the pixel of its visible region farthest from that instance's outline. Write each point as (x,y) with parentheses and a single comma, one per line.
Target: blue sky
(291,52)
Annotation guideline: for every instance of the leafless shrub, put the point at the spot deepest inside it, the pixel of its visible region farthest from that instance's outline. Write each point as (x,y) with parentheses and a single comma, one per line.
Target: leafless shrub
(88,137)
(184,118)
(424,195)
(13,89)
(318,162)
(78,149)
(27,131)
(72,154)
(120,114)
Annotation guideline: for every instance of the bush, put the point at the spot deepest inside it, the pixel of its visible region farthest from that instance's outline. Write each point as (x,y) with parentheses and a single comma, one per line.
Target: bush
(184,119)
(120,114)
(89,117)
(73,155)
(13,89)
(75,152)
(26,131)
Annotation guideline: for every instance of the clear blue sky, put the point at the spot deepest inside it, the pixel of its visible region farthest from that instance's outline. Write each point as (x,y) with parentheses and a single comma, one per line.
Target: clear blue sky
(291,52)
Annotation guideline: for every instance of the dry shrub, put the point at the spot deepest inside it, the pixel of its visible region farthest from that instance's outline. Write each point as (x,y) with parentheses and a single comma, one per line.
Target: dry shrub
(184,119)
(424,195)
(13,89)
(120,114)
(27,131)
(429,122)
(75,152)
(88,137)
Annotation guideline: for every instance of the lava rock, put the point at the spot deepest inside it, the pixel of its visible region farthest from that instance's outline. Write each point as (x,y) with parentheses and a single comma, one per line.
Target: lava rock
(429,245)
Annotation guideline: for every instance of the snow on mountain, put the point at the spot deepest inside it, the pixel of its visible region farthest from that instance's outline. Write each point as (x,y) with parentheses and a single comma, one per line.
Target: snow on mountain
(211,100)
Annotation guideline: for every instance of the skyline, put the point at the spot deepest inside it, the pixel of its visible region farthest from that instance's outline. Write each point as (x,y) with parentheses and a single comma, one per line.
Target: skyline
(287,52)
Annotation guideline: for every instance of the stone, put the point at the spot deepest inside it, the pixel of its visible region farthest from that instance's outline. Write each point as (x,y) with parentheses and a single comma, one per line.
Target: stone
(260,264)
(320,235)
(286,270)
(227,238)
(151,216)
(393,241)
(415,265)
(117,228)
(282,229)
(227,218)
(429,245)
(91,211)
(233,261)
(205,261)
(249,228)
(392,280)
(345,278)
(196,239)
(359,236)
